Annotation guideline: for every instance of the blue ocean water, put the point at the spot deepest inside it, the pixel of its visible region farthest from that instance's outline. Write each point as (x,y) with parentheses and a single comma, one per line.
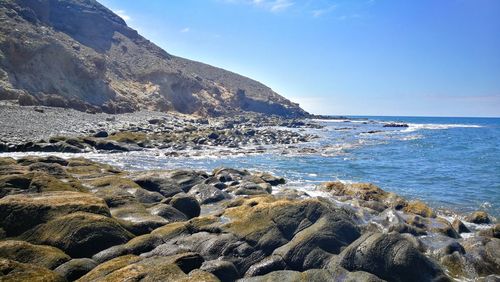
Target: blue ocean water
(449,163)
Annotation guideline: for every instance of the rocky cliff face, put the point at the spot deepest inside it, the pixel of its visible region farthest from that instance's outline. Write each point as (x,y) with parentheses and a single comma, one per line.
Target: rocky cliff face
(79,54)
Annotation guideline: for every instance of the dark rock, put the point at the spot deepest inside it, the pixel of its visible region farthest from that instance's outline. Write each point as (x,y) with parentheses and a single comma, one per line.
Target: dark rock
(396,125)
(109,146)
(478,217)
(493,232)
(168,212)
(186,204)
(459,226)
(101,134)
(224,270)
(390,257)
(165,186)
(267,265)
(206,194)
(75,268)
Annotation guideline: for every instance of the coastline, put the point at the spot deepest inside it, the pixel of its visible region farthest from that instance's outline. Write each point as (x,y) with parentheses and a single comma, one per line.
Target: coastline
(150,217)
(158,215)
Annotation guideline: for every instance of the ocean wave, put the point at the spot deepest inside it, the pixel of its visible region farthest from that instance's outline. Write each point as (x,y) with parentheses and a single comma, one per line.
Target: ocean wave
(434,126)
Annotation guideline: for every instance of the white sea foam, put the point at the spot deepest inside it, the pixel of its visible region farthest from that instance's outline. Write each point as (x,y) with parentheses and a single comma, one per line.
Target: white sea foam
(434,126)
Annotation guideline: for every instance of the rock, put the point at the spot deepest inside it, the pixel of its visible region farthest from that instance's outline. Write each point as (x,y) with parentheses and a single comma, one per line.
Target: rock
(250,188)
(313,246)
(459,226)
(75,268)
(206,194)
(186,178)
(224,270)
(478,217)
(395,125)
(267,265)
(101,134)
(419,208)
(493,232)
(482,253)
(271,179)
(165,186)
(136,268)
(365,192)
(168,212)
(79,234)
(24,252)
(107,145)
(19,213)
(390,257)
(137,219)
(335,274)
(15,271)
(186,204)
(213,135)
(406,228)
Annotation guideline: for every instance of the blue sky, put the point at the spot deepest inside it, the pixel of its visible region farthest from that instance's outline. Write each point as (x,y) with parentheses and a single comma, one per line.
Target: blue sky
(366,57)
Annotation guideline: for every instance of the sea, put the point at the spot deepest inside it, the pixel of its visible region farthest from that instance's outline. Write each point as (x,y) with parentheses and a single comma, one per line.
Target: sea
(450,163)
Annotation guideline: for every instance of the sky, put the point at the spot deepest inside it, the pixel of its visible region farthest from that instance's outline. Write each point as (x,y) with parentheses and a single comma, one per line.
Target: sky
(341,57)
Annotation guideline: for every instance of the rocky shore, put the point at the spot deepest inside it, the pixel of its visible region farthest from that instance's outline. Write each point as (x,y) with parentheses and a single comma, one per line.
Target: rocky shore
(75,219)
(45,129)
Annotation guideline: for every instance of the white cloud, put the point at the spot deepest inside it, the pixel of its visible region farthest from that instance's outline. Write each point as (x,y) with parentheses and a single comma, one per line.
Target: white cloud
(270,5)
(320,12)
(186,29)
(122,14)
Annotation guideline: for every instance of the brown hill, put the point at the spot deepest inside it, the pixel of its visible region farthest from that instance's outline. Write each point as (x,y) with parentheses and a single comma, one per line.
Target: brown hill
(79,54)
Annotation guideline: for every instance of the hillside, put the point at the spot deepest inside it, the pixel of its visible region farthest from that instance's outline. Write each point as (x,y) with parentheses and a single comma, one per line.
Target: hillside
(79,54)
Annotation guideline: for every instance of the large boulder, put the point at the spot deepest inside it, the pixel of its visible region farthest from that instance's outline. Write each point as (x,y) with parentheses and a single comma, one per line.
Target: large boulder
(15,271)
(130,267)
(390,257)
(186,204)
(75,268)
(79,234)
(365,192)
(18,213)
(207,194)
(478,217)
(165,186)
(44,256)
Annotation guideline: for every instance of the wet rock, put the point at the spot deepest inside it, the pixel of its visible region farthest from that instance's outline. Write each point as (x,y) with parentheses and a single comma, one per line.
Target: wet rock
(442,226)
(206,194)
(224,270)
(313,246)
(478,217)
(482,252)
(137,219)
(364,191)
(406,228)
(493,232)
(167,212)
(186,179)
(165,186)
(109,146)
(75,268)
(15,271)
(267,265)
(390,257)
(396,125)
(24,252)
(79,234)
(19,213)
(250,188)
(459,226)
(186,204)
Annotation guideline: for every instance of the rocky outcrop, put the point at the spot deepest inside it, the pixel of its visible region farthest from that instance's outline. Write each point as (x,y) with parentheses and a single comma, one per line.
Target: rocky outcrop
(81,55)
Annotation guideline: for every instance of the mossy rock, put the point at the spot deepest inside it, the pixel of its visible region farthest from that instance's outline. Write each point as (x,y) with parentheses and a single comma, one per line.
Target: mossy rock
(133,268)
(13,271)
(79,234)
(129,137)
(86,168)
(137,219)
(478,217)
(21,251)
(18,213)
(7,161)
(419,208)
